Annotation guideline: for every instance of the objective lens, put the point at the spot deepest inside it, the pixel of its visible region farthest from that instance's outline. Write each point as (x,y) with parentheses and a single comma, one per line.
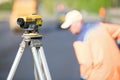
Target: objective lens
(20,21)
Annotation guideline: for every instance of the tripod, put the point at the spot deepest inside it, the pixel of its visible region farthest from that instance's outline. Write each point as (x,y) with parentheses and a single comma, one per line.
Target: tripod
(41,70)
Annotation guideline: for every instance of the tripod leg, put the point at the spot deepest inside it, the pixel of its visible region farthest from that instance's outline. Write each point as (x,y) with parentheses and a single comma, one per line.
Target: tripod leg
(16,61)
(44,62)
(36,73)
(35,69)
(38,66)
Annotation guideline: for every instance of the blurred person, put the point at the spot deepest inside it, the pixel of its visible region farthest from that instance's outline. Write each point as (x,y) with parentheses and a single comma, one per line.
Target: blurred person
(21,8)
(60,14)
(95,47)
(102,13)
(60,7)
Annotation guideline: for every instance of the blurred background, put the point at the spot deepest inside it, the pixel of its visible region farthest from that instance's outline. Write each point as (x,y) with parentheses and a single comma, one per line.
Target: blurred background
(57,43)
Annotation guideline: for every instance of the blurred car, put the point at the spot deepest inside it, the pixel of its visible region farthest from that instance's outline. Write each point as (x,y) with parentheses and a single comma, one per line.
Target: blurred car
(21,8)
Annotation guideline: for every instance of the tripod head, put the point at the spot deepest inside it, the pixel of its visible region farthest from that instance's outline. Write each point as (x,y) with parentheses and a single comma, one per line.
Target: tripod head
(30,23)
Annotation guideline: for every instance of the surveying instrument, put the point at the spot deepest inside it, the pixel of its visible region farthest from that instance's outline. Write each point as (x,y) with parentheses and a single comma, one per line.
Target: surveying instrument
(31,36)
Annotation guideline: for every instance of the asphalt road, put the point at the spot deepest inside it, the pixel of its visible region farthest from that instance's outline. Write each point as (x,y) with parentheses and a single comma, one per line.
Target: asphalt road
(57,46)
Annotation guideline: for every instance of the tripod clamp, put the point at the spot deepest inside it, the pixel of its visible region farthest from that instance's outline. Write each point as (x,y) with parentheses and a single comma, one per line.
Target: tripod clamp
(33,39)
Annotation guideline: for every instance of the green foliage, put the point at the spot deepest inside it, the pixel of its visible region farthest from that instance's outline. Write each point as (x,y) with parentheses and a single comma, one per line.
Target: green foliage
(89,5)
(6,6)
(49,5)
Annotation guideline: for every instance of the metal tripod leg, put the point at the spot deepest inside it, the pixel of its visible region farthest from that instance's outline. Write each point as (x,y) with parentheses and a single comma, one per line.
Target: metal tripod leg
(41,67)
(17,60)
(44,63)
(36,73)
(35,69)
(38,66)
